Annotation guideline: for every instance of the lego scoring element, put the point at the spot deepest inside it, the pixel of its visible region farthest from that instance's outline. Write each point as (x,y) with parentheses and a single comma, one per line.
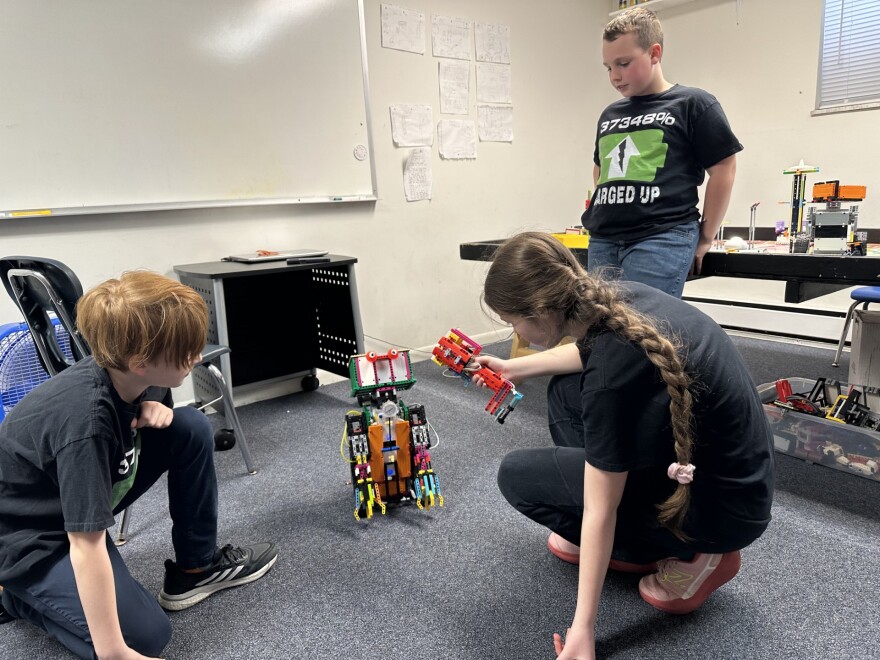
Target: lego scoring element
(388,441)
(457,351)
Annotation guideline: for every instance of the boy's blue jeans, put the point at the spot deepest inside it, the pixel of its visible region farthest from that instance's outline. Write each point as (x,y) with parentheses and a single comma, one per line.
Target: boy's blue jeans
(185,450)
(661,261)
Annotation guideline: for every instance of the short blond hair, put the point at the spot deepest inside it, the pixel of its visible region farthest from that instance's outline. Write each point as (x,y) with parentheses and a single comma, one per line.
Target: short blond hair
(145,315)
(639,21)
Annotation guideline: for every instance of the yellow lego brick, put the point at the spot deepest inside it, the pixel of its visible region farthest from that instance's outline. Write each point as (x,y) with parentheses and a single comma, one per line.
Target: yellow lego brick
(573,240)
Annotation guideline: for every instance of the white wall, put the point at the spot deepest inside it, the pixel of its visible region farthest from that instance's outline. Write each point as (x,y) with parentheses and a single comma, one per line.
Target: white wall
(761,62)
(413,286)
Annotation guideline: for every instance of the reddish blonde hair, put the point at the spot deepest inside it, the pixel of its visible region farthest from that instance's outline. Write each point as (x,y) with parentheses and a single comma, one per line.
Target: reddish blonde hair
(146,315)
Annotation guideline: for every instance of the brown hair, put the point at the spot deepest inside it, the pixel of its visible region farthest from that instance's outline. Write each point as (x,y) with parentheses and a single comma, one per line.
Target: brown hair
(533,273)
(639,21)
(143,314)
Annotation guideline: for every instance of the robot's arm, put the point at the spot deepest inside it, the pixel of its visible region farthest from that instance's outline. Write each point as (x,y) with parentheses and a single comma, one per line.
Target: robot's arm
(366,492)
(426,484)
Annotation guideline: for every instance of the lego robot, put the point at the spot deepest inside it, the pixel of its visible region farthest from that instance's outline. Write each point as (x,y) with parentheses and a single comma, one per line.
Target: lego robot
(388,441)
(834,227)
(456,351)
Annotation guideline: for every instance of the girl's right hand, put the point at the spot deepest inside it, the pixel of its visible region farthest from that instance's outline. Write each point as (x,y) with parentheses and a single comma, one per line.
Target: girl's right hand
(504,368)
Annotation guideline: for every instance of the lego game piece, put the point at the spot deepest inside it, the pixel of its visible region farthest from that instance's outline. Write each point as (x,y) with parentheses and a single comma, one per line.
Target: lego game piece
(456,351)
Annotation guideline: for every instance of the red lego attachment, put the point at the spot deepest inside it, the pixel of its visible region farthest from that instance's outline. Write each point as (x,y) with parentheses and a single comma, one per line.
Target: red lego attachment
(809,404)
(456,351)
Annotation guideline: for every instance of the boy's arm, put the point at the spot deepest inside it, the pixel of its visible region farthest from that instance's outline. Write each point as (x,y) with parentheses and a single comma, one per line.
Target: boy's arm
(596,173)
(715,201)
(97,591)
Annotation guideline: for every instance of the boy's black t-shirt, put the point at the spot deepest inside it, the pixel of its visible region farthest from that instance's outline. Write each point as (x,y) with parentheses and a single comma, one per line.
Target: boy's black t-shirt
(627,423)
(65,450)
(652,152)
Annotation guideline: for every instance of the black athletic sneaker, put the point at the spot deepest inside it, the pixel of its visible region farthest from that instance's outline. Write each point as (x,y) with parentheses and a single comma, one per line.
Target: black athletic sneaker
(232,567)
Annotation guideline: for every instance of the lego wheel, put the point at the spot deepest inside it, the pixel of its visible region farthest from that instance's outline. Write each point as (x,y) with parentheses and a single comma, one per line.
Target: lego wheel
(372,356)
(310,383)
(392,354)
(224,440)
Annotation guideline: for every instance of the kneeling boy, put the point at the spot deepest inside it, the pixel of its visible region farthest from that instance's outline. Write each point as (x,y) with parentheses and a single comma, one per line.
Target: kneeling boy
(87,443)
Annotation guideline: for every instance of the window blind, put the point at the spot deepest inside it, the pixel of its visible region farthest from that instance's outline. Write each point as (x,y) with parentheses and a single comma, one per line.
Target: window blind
(849,67)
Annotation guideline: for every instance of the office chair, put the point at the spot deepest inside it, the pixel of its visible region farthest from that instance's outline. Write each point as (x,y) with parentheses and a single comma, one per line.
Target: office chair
(42,287)
(864,296)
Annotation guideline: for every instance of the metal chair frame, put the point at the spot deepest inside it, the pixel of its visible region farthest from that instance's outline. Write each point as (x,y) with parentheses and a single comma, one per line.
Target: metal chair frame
(863,296)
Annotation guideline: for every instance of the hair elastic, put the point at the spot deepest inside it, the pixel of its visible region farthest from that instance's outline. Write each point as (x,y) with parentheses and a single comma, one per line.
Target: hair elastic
(683,474)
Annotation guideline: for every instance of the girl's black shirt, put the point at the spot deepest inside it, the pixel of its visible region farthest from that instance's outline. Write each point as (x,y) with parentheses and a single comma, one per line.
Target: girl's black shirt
(627,421)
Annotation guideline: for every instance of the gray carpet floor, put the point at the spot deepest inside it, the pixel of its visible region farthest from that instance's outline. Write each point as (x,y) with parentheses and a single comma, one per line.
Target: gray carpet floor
(474,579)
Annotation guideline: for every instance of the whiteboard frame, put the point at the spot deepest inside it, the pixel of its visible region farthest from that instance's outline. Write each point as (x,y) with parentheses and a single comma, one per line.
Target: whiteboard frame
(216,203)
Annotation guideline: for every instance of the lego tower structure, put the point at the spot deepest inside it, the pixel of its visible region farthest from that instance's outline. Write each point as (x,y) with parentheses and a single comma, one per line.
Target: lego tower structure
(798,190)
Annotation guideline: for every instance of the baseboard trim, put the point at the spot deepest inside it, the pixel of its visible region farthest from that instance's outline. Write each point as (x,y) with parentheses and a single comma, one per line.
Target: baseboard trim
(820,325)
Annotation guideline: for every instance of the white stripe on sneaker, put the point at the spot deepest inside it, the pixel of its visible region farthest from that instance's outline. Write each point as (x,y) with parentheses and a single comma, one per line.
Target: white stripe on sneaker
(207,580)
(225,576)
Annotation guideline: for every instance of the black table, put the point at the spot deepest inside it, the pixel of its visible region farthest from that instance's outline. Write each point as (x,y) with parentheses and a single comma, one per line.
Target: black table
(806,276)
(281,322)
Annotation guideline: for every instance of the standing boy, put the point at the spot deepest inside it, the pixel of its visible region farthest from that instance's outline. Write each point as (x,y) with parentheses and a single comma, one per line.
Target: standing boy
(87,443)
(653,148)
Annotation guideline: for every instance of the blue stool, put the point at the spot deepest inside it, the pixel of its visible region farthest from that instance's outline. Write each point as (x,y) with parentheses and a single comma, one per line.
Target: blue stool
(864,296)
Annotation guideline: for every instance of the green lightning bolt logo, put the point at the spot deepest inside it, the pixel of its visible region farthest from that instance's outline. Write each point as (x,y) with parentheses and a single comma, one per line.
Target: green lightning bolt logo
(632,156)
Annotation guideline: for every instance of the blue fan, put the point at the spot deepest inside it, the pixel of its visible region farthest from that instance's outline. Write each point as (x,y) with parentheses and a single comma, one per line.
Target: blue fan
(20,367)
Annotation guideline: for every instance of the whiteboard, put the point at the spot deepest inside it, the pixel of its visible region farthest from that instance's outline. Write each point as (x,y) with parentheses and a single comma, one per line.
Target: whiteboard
(115,105)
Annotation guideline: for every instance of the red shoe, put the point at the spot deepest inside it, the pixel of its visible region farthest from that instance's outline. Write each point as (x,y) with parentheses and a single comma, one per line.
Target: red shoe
(680,587)
(614,564)
(569,557)
(627,567)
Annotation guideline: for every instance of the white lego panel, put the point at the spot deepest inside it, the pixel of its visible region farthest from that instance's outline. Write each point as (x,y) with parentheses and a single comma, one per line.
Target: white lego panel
(384,371)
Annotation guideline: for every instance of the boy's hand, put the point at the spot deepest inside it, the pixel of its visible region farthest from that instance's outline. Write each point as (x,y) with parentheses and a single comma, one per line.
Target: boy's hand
(703,246)
(153,415)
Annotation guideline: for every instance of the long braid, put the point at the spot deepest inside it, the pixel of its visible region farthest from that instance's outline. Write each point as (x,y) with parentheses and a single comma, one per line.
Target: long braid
(663,354)
(533,273)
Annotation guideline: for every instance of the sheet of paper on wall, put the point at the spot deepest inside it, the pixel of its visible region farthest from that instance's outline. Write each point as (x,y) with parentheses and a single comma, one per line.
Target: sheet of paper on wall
(458,138)
(412,125)
(455,86)
(403,29)
(495,122)
(451,37)
(492,43)
(493,83)
(418,178)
